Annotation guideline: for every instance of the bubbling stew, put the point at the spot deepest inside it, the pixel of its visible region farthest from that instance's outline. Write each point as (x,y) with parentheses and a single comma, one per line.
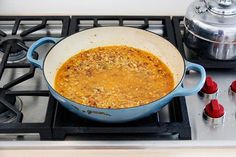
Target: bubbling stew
(114,77)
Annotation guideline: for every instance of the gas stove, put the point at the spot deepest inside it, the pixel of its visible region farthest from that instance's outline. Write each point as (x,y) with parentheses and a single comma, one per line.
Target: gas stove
(29,112)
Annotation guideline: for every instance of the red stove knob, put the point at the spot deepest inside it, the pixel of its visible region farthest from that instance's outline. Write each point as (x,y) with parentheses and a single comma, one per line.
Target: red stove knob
(214,109)
(210,86)
(233,86)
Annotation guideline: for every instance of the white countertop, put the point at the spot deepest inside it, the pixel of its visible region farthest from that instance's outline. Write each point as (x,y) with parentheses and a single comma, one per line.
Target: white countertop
(94,7)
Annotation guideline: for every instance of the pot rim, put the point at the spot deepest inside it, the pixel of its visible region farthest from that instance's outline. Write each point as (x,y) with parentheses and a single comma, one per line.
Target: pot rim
(203,38)
(162,98)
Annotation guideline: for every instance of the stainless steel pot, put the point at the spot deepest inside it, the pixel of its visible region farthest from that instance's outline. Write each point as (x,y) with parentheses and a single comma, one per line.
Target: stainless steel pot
(210,28)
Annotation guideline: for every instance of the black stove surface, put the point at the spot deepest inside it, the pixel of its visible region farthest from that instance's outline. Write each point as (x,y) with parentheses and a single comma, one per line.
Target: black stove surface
(192,56)
(59,122)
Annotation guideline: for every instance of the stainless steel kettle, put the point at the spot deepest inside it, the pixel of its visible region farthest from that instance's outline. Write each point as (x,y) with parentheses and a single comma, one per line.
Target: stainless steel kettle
(210,28)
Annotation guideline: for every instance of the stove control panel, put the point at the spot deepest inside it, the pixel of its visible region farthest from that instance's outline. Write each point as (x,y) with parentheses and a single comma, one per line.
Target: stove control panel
(212,112)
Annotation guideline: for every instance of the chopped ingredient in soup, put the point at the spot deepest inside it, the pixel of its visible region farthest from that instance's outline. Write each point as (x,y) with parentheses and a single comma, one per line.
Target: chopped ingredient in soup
(114,77)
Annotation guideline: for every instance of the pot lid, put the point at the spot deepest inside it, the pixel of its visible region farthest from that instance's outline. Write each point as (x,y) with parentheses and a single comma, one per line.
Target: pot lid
(212,20)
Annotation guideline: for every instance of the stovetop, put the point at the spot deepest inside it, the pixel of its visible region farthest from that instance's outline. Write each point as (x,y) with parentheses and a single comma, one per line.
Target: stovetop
(42,118)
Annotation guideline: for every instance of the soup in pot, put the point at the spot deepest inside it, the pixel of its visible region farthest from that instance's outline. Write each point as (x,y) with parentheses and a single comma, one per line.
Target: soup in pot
(114,77)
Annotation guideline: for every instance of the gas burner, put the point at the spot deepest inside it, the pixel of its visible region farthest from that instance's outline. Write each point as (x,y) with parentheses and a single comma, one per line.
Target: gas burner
(17,52)
(17,57)
(8,116)
(9,98)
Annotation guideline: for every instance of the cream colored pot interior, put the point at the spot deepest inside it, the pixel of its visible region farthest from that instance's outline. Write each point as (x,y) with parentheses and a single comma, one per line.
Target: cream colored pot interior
(104,36)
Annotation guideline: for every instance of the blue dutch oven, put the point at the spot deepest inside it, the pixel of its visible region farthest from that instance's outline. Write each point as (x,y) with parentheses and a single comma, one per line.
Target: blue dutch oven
(105,36)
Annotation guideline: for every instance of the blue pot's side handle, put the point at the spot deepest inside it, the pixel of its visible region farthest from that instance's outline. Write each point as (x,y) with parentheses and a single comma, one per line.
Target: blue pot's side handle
(182,91)
(35,45)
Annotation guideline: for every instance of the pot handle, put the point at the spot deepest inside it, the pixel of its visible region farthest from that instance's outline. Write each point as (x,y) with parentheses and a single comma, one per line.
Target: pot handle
(182,91)
(39,63)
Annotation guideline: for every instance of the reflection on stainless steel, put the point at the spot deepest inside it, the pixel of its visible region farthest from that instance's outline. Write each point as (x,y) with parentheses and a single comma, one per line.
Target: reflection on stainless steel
(213,122)
(232,94)
(208,96)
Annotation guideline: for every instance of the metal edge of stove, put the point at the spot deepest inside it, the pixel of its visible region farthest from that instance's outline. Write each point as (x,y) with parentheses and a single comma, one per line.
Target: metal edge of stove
(46,145)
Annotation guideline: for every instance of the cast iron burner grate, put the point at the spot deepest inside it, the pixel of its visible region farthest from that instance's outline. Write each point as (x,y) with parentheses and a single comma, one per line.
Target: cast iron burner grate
(149,23)
(190,55)
(17,52)
(150,128)
(12,44)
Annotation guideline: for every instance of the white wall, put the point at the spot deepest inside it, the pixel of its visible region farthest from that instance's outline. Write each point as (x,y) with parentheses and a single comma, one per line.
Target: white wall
(93,7)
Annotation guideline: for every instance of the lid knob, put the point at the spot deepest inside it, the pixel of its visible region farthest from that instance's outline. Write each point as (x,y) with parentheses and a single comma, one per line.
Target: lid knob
(225,3)
(221,7)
